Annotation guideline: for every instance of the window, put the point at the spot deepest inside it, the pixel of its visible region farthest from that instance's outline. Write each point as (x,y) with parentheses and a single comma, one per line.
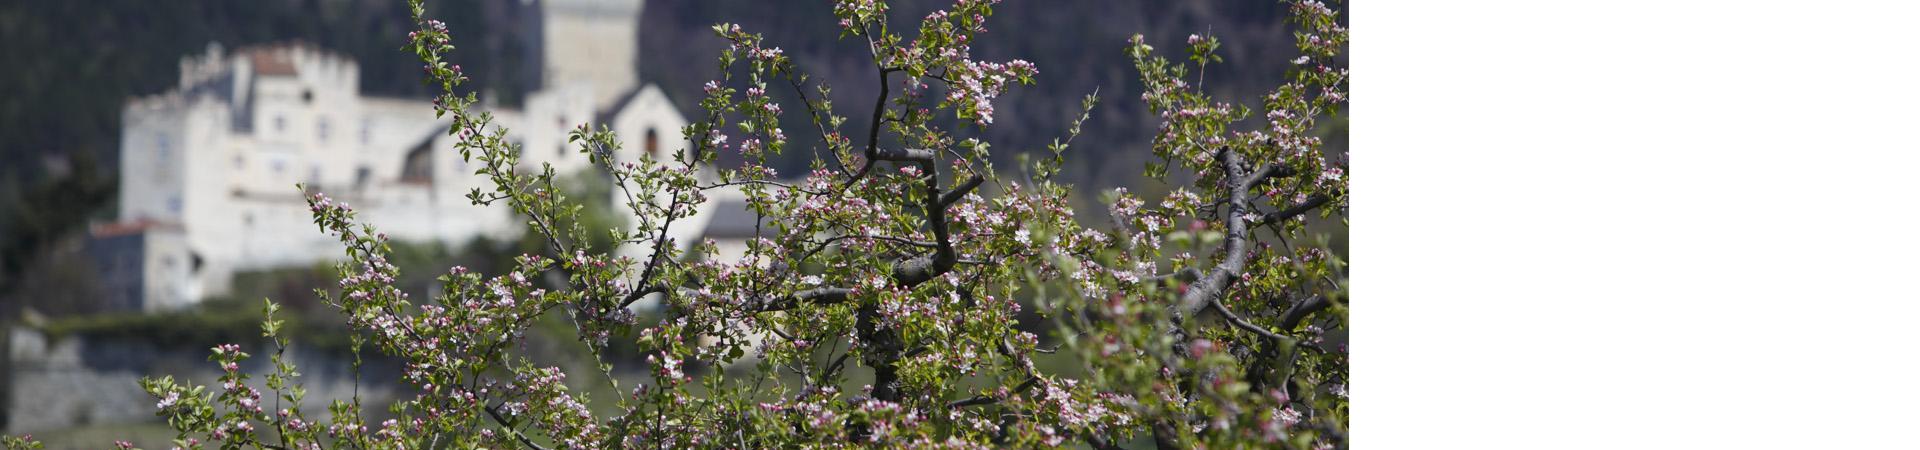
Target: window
(306,96)
(653,143)
(321,129)
(163,153)
(279,123)
(419,166)
(163,148)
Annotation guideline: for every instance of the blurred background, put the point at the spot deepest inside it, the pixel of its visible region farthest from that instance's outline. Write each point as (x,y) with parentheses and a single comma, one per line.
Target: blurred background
(91,300)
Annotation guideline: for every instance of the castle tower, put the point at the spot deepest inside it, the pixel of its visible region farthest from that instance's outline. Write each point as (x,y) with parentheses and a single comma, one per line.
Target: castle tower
(593,43)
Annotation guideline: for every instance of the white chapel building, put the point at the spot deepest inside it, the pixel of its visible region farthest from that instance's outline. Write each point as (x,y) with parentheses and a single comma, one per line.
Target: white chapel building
(208,169)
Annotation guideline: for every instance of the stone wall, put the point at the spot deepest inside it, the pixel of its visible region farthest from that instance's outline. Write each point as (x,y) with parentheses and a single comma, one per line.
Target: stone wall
(55,382)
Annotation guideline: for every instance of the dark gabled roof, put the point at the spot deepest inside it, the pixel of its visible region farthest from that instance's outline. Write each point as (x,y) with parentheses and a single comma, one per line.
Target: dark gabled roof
(733,219)
(606,117)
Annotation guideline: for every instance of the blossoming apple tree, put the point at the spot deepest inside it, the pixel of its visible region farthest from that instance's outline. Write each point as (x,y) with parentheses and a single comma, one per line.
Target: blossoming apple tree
(881,305)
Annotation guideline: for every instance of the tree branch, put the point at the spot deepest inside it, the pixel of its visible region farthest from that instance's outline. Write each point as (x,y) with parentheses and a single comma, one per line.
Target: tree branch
(1099,442)
(988,399)
(642,292)
(1314,201)
(828,295)
(1186,275)
(873,131)
(1300,311)
(819,124)
(1261,175)
(1244,324)
(919,155)
(961,191)
(1228,271)
(495,413)
(1166,436)
(911,272)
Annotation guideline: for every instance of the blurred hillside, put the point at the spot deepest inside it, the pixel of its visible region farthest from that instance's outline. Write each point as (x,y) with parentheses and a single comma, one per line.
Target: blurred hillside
(70,66)
(1077,44)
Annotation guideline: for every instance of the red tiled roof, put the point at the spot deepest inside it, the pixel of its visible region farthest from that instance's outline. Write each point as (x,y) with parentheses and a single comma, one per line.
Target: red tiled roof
(273,61)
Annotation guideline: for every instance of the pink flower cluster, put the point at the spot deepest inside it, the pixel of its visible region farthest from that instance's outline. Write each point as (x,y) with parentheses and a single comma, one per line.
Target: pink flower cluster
(979,83)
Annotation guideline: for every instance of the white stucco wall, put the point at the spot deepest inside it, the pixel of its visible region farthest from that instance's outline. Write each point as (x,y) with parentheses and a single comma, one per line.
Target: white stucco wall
(220,156)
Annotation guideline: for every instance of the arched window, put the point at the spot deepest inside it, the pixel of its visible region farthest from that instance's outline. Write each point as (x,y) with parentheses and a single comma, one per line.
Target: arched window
(418,168)
(653,143)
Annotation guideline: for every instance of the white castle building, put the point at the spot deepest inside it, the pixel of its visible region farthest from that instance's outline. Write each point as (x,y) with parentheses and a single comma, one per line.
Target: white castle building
(208,169)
